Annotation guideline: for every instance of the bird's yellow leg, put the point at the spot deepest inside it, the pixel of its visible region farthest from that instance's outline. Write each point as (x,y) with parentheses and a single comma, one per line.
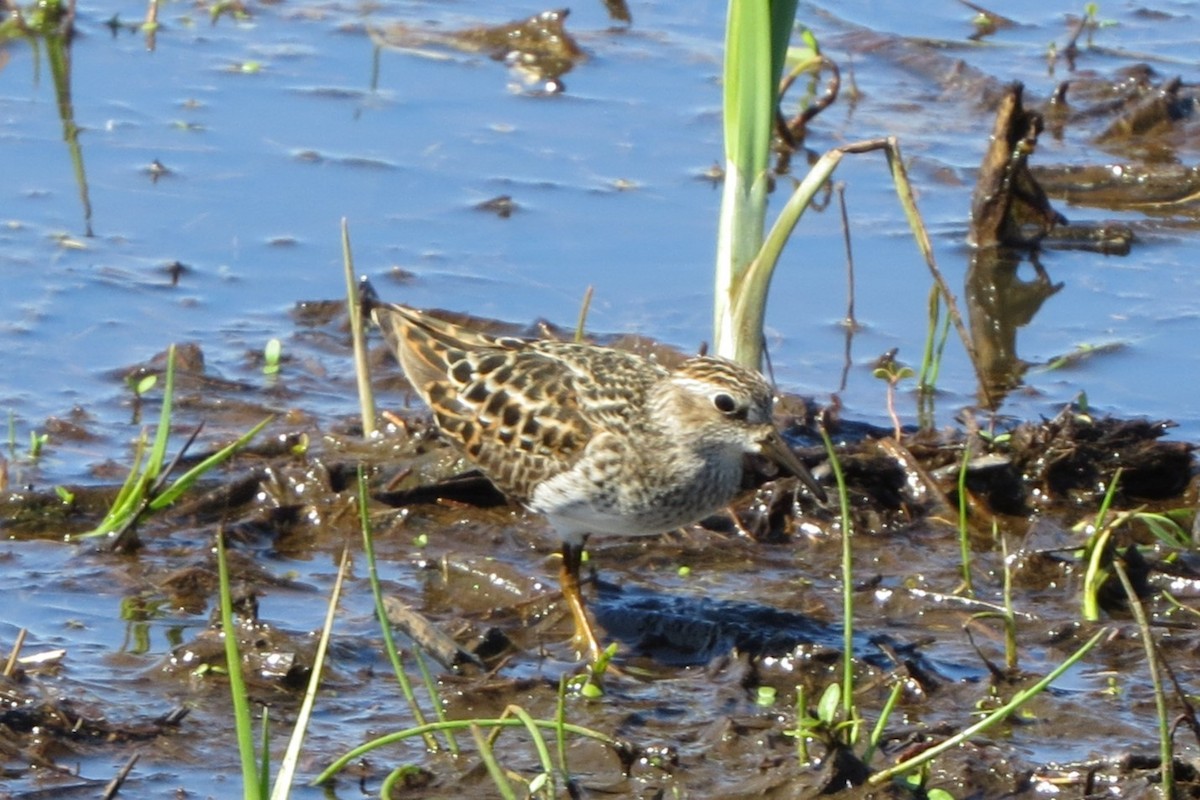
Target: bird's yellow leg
(568,576)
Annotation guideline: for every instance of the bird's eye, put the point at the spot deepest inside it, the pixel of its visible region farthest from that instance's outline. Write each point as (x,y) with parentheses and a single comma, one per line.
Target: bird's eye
(727,405)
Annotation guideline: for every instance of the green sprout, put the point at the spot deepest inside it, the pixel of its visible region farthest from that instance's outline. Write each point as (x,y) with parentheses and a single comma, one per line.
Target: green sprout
(271,356)
(145,384)
(146,489)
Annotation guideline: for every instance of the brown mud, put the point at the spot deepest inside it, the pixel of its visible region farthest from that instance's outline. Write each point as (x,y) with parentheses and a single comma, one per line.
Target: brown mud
(757,605)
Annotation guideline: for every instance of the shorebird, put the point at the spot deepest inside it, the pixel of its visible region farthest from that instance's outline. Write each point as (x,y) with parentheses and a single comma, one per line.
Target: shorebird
(601,441)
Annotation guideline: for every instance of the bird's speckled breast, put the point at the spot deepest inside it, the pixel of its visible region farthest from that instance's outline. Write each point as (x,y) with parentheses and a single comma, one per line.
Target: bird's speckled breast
(626,492)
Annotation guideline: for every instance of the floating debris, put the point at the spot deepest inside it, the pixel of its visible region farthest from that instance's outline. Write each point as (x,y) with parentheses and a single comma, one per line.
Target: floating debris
(538,49)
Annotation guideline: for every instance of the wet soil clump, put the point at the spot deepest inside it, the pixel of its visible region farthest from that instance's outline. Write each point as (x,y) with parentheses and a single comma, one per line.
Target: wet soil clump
(744,603)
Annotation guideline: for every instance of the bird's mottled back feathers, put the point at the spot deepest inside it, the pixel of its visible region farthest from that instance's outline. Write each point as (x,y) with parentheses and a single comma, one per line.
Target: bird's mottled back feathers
(522,410)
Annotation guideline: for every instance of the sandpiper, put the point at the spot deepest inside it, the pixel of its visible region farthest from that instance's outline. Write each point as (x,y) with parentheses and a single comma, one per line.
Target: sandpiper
(602,441)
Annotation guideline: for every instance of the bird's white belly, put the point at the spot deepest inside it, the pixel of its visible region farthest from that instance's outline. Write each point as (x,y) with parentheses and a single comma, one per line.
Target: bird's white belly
(577,505)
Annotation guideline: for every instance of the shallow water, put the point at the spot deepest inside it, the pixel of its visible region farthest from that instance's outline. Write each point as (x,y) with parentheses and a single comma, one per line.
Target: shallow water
(264,165)
(608,179)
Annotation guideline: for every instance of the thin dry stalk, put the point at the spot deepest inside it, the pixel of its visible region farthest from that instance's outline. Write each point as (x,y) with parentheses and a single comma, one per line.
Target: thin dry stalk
(362,372)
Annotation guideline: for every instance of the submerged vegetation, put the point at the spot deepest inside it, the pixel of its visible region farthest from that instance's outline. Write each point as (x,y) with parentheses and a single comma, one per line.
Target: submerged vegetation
(904,636)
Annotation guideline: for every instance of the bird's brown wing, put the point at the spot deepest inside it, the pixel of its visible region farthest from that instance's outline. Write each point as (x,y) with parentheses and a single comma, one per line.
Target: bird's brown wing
(425,345)
(611,386)
(511,407)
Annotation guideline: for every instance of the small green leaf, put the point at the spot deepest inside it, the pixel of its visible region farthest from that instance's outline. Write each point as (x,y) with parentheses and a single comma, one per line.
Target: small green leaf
(810,40)
(828,706)
(271,355)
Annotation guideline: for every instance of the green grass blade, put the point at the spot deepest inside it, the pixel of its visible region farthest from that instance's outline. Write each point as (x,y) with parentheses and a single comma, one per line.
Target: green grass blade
(431,686)
(539,744)
(394,785)
(128,496)
(924,381)
(1106,504)
(1096,554)
(1166,750)
(493,766)
(158,451)
(999,715)
(389,643)
(1165,529)
(237,688)
(881,724)
(964,530)
(847,578)
(560,733)
(459,724)
(264,753)
(132,499)
(185,481)
(1095,575)
(935,367)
